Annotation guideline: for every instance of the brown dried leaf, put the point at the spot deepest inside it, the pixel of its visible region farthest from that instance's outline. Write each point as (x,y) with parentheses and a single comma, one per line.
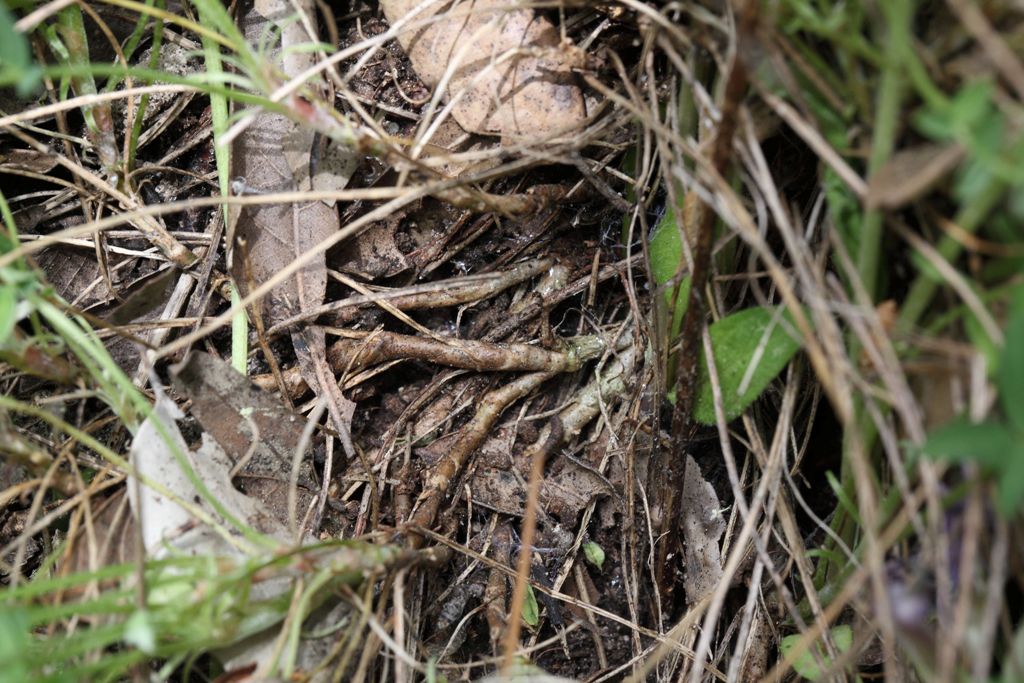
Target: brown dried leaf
(144,297)
(510,70)
(228,406)
(71,272)
(27,355)
(275,154)
(910,173)
(376,253)
(27,160)
(163,519)
(563,496)
(112,539)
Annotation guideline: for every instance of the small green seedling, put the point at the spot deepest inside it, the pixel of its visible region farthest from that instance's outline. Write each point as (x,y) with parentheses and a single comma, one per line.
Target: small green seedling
(594,554)
(531,612)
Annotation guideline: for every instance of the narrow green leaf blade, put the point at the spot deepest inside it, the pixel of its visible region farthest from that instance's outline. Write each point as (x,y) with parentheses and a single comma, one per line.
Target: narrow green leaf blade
(751,348)
(531,612)
(1010,486)
(988,443)
(666,250)
(8,306)
(14,644)
(1011,364)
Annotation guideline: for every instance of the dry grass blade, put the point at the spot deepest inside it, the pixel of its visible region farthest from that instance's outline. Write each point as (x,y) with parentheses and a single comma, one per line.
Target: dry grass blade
(643,327)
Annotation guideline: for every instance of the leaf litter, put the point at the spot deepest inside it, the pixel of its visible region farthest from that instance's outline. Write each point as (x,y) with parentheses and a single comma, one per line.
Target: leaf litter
(470,344)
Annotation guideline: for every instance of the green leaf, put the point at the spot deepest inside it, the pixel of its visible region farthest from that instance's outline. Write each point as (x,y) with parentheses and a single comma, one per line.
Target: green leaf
(139,631)
(961,117)
(594,554)
(16,66)
(8,306)
(972,180)
(934,124)
(980,338)
(666,250)
(848,506)
(845,209)
(987,443)
(14,644)
(1011,363)
(1010,484)
(971,104)
(804,663)
(751,348)
(531,613)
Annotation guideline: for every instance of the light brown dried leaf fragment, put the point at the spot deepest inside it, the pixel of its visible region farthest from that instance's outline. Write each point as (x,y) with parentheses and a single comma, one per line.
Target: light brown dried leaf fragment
(275,154)
(703,525)
(910,173)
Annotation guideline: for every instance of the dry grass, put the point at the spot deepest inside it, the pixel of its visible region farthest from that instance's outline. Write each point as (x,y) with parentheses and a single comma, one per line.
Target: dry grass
(510,338)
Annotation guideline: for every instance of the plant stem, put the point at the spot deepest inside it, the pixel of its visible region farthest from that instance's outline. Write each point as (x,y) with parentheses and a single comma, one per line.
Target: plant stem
(898,14)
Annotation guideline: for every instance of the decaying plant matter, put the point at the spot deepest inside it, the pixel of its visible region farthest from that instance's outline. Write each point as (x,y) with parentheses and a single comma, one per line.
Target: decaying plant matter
(506,72)
(484,339)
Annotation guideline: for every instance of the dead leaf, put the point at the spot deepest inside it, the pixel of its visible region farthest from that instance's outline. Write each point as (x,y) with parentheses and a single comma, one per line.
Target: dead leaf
(165,523)
(330,163)
(450,139)
(910,173)
(144,297)
(703,525)
(168,528)
(113,536)
(28,355)
(563,496)
(71,272)
(376,254)
(228,406)
(274,154)
(30,160)
(510,71)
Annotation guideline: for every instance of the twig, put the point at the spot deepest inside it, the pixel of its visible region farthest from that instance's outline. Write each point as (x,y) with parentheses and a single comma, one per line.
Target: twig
(472,435)
(451,292)
(370,348)
(538,457)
